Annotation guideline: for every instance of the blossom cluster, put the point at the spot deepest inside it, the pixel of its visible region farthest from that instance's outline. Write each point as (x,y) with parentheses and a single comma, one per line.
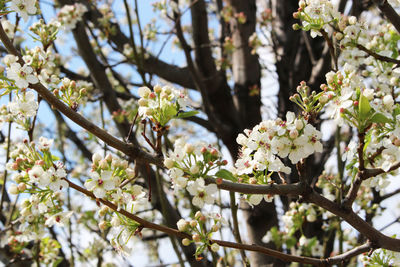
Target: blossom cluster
(200,234)
(70,15)
(107,174)
(22,107)
(316,16)
(188,164)
(43,63)
(362,108)
(380,257)
(46,33)
(21,75)
(162,104)
(293,221)
(36,173)
(112,179)
(294,218)
(71,92)
(267,142)
(106,21)
(121,229)
(37,170)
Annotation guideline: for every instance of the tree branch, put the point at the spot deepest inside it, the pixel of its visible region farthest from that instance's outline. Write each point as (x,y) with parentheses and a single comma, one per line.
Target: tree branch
(272,189)
(377,56)
(377,238)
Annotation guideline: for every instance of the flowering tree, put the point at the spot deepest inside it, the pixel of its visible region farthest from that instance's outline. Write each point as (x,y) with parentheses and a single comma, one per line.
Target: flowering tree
(135,149)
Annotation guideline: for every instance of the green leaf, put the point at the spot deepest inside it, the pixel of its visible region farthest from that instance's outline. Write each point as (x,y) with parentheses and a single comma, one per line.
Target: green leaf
(57,262)
(183,115)
(225,174)
(169,111)
(380,118)
(291,242)
(368,140)
(363,107)
(54,158)
(396,111)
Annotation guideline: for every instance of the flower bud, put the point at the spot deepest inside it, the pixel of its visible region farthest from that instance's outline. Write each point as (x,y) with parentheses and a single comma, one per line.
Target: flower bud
(202,219)
(189,148)
(167,90)
(130,173)
(196,238)
(311,217)
(157,89)
(103,211)
(144,92)
(143,102)
(149,111)
(323,99)
(194,169)
(198,214)
(396,142)
(109,158)
(388,101)
(339,36)
(169,163)
(102,225)
(293,134)
(115,163)
(186,241)
(299,124)
(296,26)
(17,178)
(252,181)
(352,20)
(123,164)
(96,158)
(103,164)
(193,223)
(215,228)
(26,211)
(21,187)
(164,95)
(215,247)
(13,189)
(394,81)
(182,225)
(214,152)
(115,221)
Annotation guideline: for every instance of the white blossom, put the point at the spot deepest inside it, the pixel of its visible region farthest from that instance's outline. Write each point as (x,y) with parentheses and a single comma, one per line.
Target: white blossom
(203,194)
(24,7)
(22,76)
